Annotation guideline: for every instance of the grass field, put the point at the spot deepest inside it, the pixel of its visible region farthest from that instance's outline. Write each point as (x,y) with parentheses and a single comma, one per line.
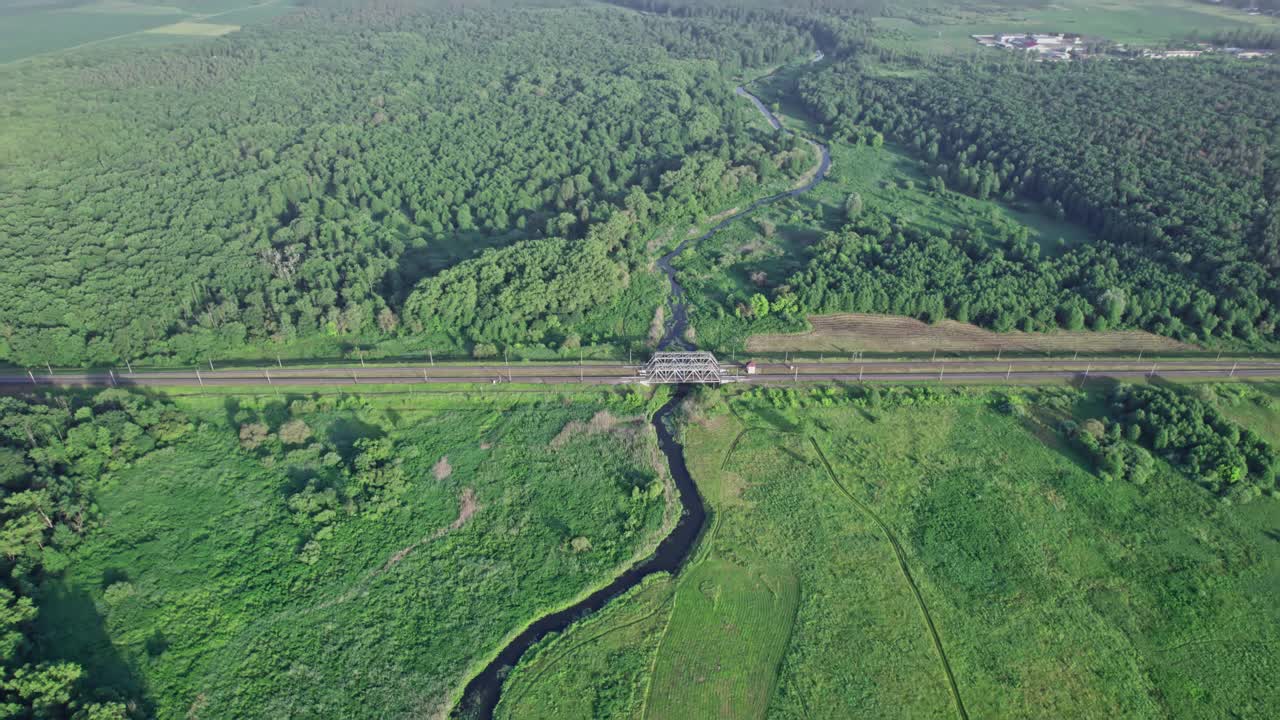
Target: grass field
(599,668)
(1140,23)
(1256,406)
(222,583)
(860,332)
(1053,593)
(728,631)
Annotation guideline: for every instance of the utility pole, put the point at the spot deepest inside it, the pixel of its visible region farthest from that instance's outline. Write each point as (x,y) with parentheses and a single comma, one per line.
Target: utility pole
(941,369)
(1075,355)
(210,364)
(32,376)
(1139,355)
(128,365)
(424,374)
(267,372)
(935,355)
(1008,372)
(279,363)
(431,356)
(354,380)
(1086,371)
(1233,369)
(113,380)
(998,351)
(1153,370)
(48,367)
(112,373)
(860,367)
(795,369)
(361,354)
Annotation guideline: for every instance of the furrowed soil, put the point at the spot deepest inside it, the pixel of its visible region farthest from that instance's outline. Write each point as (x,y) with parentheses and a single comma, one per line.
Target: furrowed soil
(864,332)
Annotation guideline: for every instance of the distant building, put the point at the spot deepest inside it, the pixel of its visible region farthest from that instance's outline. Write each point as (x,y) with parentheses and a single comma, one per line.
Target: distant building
(1045,46)
(1165,54)
(751,368)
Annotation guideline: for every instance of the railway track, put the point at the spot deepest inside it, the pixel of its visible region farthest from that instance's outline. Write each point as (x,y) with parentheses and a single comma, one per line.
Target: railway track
(1021,371)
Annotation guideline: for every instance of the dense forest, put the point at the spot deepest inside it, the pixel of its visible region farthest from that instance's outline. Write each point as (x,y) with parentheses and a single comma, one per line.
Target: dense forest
(468,178)
(996,277)
(302,178)
(1182,184)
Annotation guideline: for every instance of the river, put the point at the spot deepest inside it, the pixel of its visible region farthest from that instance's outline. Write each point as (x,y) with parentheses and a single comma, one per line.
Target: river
(480,698)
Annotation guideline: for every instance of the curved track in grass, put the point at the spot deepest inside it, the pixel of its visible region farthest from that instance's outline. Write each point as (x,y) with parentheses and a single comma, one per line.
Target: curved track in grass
(906,572)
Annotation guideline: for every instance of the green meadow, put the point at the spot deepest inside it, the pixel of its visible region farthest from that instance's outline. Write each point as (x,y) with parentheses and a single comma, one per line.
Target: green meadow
(957,537)
(599,667)
(336,555)
(729,628)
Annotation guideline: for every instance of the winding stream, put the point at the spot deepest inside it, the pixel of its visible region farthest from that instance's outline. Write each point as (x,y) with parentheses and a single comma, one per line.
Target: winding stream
(674,334)
(480,698)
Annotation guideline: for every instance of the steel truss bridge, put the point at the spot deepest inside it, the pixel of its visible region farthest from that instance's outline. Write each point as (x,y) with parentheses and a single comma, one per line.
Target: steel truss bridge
(683,367)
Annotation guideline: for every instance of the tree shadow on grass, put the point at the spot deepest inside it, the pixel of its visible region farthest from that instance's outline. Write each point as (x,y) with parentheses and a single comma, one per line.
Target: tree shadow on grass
(69,627)
(775,419)
(344,433)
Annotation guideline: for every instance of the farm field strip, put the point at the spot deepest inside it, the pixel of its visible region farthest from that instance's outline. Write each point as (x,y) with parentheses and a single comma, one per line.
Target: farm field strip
(889,333)
(725,640)
(194,29)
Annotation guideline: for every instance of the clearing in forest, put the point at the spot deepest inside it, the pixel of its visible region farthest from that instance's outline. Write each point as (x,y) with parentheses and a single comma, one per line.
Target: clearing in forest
(728,632)
(865,332)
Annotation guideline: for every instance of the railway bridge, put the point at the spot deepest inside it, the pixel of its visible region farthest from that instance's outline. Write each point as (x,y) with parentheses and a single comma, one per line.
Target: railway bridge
(683,367)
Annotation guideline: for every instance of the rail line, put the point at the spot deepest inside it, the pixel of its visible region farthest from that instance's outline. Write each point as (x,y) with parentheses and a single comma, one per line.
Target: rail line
(948,371)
